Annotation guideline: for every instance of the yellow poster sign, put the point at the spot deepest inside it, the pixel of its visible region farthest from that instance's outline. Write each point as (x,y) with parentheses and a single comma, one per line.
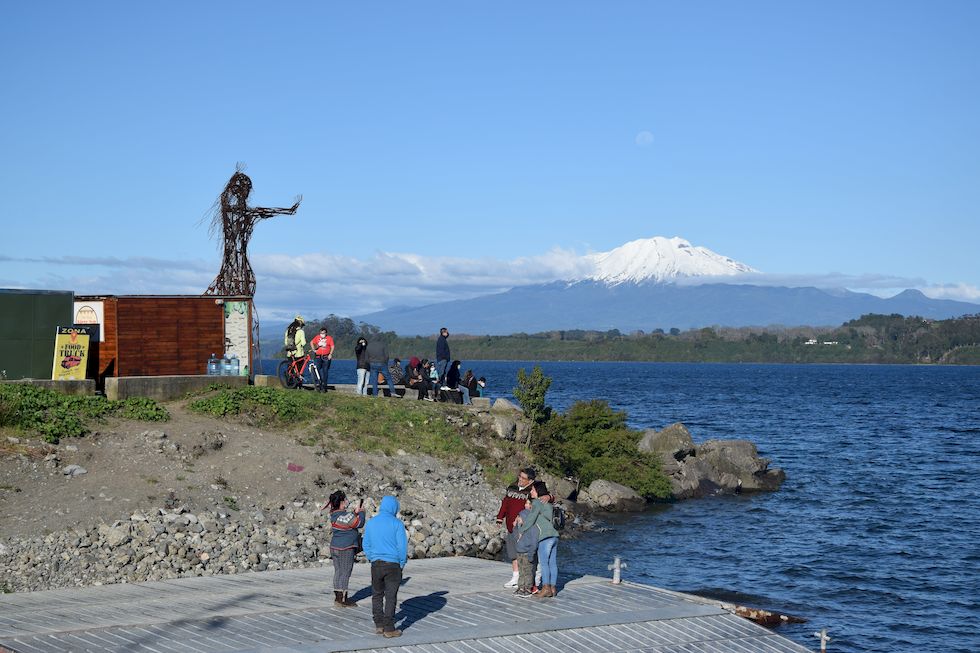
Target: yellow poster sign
(70,353)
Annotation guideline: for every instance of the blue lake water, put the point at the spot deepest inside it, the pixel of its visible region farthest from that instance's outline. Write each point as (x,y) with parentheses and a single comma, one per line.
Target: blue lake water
(876,533)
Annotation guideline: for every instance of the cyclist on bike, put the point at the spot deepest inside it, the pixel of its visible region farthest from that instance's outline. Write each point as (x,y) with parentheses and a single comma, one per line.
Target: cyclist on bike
(323,349)
(295,340)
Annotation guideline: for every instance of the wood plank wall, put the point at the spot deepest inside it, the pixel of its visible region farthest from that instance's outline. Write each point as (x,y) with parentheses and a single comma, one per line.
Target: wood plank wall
(109,348)
(167,335)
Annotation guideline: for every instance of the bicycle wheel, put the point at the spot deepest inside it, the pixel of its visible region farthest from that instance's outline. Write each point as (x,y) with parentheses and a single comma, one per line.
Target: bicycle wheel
(293,378)
(282,371)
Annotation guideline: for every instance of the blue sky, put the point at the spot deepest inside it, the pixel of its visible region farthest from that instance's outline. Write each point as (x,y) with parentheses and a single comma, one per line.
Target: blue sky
(451,149)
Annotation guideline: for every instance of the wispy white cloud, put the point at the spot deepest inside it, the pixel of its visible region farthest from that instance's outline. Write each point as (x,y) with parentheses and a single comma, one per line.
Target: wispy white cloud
(862,282)
(959,291)
(320,283)
(317,283)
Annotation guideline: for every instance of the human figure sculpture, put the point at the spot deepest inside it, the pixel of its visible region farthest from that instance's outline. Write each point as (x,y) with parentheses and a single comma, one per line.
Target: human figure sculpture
(236,219)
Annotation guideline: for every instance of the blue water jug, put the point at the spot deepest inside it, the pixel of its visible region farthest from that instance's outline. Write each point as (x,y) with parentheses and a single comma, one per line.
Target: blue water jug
(226,367)
(234,366)
(214,366)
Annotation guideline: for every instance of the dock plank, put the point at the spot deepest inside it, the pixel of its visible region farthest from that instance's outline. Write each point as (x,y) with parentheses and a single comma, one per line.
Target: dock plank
(452,605)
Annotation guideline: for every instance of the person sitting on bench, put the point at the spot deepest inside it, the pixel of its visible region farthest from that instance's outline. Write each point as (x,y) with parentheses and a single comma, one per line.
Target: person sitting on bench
(453,382)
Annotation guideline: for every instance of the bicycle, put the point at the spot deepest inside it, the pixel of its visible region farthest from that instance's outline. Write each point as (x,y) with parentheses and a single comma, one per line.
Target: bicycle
(292,371)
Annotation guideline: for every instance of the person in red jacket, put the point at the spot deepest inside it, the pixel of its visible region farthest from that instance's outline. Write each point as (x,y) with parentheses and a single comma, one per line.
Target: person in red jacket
(323,350)
(510,506)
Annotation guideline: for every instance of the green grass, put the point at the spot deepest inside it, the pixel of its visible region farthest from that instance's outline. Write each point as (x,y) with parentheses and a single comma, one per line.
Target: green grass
(54,415)
(338,421)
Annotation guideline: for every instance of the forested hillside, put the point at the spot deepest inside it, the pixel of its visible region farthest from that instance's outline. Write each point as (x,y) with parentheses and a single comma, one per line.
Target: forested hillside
(869,339)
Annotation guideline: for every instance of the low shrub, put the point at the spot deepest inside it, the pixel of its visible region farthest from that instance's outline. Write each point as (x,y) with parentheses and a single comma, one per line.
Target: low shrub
(54,415)
(530,393)
(143,409)
(267,404)
(592,441)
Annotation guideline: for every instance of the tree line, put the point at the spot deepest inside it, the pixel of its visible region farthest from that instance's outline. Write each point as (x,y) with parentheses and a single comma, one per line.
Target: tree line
(872,338)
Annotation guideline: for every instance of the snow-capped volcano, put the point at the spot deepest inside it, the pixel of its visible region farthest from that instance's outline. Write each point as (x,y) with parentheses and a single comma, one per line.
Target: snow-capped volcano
(660,260)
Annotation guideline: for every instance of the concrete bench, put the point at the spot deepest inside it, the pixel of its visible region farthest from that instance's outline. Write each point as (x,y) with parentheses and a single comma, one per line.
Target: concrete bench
(165,387)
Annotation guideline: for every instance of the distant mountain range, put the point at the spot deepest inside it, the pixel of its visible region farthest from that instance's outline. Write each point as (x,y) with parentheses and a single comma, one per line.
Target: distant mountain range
(634,287)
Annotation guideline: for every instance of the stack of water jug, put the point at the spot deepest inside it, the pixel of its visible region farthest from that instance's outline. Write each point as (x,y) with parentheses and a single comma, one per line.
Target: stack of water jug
(227,366)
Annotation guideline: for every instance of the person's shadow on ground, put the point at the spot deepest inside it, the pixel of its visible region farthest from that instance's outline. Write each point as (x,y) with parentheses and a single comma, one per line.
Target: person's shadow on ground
(419,607)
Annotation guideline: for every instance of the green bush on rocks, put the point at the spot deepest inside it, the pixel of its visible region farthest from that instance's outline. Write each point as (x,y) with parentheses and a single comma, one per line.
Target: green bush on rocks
(592,441)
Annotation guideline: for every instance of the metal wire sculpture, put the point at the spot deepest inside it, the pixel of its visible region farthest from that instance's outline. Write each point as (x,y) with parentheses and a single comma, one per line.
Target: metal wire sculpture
(236,220)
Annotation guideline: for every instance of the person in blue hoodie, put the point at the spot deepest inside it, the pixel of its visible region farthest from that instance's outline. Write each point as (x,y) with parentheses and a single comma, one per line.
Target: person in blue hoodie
(386,548)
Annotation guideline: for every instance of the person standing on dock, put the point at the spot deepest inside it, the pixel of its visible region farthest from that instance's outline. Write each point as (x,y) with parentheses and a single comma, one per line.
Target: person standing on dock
(345,541)
(541,515)
(510,507)
(386,548)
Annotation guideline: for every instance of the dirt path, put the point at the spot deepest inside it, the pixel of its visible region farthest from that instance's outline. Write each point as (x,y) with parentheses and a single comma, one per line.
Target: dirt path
(192,460)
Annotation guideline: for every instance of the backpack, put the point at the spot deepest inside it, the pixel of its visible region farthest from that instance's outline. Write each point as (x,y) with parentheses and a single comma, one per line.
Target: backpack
(558,517)
(291,339)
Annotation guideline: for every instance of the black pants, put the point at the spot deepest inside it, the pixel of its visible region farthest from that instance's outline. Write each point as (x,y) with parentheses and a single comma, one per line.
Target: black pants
(385,579)
(423,387)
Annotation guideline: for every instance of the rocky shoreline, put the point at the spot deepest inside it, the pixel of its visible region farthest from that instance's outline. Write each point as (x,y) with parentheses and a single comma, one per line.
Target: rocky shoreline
(223,528)
(226,538)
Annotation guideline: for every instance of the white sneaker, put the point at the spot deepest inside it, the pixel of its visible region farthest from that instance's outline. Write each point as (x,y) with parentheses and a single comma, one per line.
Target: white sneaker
(512,582)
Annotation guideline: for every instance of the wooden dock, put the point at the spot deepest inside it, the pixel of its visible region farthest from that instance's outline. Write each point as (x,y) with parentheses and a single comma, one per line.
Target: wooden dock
(447,605)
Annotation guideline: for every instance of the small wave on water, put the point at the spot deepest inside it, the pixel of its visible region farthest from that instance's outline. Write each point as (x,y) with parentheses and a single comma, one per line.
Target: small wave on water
(872,536)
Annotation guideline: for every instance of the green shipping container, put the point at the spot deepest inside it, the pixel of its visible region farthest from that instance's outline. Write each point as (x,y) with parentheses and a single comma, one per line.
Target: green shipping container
(28,319)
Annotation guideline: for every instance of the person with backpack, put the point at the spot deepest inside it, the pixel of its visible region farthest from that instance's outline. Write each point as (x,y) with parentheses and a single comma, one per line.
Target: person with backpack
(295,338)
(541,515)
(345,542)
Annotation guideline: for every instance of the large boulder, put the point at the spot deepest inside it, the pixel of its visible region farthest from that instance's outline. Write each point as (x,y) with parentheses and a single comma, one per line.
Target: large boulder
(560,488)
(505,426)
(501,405)
(715,467)
(674,440)
(740,460)
(612,497)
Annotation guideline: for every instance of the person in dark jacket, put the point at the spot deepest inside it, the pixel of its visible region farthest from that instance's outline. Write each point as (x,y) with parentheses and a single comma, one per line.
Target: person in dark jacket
(363,365)
(386,547)
(377,351)
(453,382)
(442,354)
(469,380)
(345,541)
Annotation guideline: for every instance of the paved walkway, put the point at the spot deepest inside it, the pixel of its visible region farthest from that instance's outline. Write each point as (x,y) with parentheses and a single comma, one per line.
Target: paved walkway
(447,605)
